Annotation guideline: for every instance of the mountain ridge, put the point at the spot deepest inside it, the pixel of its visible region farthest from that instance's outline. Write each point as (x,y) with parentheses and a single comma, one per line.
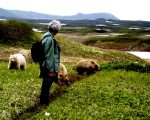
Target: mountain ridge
(37,15)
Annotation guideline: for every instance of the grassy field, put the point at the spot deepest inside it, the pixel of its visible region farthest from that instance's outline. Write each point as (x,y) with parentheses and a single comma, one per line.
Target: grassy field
(120,90)
(105,95)
(108,94)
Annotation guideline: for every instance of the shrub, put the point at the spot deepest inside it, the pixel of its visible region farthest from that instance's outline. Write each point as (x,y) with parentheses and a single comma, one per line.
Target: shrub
(126,66)
(12,31)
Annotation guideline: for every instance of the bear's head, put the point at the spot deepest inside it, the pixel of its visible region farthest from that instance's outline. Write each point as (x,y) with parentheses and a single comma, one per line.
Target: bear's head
(95,66)
(62,77)
(13,61)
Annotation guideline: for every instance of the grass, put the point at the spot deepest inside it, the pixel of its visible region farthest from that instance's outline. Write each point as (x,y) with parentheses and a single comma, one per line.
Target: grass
(120,90)
(78,30)
(121,39)
(121,42)
(71,48)
(18,89)
(134,66)
(108,94)
(124,95)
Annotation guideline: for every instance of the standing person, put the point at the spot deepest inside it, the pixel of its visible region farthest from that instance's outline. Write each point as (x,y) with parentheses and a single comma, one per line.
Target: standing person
(50,64)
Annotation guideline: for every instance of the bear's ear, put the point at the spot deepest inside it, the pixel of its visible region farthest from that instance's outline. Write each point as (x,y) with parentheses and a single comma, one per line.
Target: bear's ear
(66,76)
(59,76)
(92,62)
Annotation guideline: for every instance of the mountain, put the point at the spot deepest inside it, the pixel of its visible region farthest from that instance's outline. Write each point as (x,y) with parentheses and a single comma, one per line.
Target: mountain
(91,16)
(6,13)
(36,15)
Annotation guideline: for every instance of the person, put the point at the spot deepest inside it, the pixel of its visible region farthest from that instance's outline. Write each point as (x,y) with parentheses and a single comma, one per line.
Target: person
(50,64)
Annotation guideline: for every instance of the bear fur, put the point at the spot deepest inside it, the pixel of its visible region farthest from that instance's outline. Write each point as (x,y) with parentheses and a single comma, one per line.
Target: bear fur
(87,66)
(62,74)
(17,61)
(26,54)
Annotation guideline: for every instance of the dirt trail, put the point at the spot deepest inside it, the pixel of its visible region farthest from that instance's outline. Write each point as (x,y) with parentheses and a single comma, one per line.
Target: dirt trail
(37,107)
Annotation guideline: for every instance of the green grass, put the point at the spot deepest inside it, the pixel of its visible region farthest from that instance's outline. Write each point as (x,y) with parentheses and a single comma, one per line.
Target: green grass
(71,48)
(107,94)
(120,90)
(129,66)
(18,89)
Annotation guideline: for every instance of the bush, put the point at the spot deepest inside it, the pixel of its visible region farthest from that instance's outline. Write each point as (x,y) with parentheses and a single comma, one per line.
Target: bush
(12,31)
(126,66)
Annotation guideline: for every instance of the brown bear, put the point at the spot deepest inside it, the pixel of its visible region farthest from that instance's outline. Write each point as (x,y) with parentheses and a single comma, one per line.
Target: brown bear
(17,61)
(63,75)
(87,66)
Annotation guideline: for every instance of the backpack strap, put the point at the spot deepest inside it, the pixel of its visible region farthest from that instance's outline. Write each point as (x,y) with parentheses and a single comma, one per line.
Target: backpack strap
(43,40)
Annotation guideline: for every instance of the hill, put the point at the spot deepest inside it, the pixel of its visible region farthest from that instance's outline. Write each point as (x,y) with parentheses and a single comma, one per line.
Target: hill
(119,90)
(36,15)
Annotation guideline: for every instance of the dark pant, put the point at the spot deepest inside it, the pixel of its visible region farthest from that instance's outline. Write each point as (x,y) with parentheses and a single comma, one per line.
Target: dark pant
(46,85)
(41,70)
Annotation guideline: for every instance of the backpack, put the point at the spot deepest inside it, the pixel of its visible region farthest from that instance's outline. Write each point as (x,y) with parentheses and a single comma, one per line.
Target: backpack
(37,51)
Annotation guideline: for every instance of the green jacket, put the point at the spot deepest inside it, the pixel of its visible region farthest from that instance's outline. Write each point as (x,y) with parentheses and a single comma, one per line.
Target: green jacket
(52,53)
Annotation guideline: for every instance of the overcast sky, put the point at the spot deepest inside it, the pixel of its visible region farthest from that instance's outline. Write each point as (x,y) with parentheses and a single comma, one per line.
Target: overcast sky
(123,9)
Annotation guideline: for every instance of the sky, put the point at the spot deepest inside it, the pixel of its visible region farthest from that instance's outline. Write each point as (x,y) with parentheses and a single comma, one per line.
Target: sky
(122,9)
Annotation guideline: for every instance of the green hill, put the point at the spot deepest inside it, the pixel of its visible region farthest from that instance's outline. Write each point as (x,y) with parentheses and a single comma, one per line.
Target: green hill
(120,90)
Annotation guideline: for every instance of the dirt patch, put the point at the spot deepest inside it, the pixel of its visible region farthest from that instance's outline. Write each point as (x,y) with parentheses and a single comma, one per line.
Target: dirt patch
(6,52)
(77,38)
